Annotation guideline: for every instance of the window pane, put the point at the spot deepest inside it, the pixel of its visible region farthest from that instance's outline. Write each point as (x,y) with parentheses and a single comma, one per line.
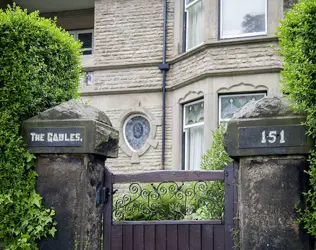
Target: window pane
(243,17)
(195,24)
(86,38)
(86,52)
(136,131)
(230,104)
(194,147)
(187,2)
(194,113)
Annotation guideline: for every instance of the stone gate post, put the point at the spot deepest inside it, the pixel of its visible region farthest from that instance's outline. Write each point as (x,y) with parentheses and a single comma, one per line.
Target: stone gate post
(271,146)
(71,143)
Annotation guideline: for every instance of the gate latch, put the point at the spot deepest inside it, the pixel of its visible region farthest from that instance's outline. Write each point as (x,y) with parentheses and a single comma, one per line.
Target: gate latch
(102,195)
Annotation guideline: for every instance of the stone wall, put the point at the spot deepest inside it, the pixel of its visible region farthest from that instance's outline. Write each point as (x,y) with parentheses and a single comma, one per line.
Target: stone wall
(127,78)
(220,57)
(214,58)
(130,31)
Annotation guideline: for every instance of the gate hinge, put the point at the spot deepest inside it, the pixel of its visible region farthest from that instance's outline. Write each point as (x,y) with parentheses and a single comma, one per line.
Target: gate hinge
(102,195)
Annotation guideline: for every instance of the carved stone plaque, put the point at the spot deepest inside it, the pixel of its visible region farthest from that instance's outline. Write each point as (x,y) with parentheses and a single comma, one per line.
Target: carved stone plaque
(272,136)
(55,137)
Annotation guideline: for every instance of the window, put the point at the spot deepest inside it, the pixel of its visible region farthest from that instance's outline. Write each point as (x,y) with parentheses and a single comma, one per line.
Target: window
(194,10)
(193,129)
(86,37)
(243,18)
(229,104)
(136,131)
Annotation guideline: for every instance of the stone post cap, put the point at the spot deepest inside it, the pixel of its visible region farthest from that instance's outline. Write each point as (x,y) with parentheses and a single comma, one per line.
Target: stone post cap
(71,127)
(267,127)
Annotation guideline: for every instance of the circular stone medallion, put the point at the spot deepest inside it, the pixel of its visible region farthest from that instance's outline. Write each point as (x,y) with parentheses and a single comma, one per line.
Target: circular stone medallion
(136,131)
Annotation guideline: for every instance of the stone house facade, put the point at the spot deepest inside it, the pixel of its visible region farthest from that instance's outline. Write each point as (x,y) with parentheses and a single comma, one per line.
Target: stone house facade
(219,54)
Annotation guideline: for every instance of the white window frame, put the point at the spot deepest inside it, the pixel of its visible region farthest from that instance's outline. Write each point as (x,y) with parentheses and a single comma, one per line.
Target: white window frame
(76,33)
(186,7)
(245,34)
(189,126)
(233,95)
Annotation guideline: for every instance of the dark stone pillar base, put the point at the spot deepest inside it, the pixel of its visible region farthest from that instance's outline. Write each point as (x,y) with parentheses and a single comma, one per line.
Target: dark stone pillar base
(269,190)
(68,184)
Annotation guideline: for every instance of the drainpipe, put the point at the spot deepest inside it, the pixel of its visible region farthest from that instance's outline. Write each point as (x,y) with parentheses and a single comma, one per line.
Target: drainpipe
(164,67)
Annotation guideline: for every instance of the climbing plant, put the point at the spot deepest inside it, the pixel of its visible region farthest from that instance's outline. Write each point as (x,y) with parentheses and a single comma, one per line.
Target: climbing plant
(297,36)
(39,68)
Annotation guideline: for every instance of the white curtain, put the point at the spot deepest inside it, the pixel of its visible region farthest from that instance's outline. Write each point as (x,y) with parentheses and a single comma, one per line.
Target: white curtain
(195,24)
(193,147)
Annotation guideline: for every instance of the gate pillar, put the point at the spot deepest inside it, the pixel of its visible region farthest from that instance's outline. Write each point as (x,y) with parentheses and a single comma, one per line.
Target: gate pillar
(271,146)
(71,143)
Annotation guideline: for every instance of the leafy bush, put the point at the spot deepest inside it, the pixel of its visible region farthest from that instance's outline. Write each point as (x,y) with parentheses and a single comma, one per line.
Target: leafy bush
(210,204)
(297,36)
(216,157)
(39,68)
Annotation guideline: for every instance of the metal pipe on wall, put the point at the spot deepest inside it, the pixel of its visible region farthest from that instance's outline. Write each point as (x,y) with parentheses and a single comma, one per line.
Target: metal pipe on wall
(164,67)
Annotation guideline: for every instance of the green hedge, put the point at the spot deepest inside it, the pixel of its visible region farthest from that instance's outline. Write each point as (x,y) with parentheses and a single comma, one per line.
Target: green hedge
(297,36)
(39,68)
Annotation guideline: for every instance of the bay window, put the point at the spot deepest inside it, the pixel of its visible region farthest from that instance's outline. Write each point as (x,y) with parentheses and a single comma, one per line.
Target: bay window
(240,18)
(194,10)
(229,104)
(193,130)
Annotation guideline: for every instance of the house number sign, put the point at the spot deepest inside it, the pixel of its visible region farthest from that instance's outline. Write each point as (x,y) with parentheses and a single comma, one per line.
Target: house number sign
(272,136)
(55,137)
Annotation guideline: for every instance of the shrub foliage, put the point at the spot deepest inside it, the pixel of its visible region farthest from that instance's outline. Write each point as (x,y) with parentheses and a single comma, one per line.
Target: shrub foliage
(297,36)
(39,68)
(216,157)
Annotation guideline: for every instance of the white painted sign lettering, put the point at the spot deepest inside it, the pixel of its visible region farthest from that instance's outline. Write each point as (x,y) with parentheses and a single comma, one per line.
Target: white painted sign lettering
(271,136)
(54,137)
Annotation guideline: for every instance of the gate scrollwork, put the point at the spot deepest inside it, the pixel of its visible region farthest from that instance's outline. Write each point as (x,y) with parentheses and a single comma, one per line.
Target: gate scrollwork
(202,200)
